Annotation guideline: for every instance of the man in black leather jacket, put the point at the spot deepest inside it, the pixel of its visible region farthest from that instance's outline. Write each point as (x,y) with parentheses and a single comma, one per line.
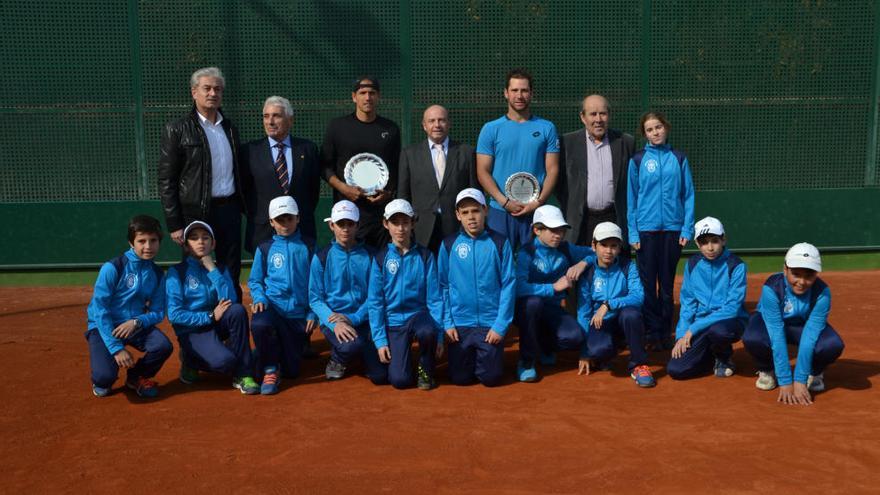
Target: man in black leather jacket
(198,171)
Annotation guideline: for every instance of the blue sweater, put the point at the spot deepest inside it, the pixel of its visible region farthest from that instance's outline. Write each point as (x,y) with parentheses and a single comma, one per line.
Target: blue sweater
(711,292)
(793,310)
(341,285)
(478,283)
(539,266)
(136,293)
(402,287)
(285,284)
(660,194)
(191,300)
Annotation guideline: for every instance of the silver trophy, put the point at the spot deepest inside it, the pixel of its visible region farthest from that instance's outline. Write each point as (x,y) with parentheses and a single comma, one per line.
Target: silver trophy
(367,171)
(522,187)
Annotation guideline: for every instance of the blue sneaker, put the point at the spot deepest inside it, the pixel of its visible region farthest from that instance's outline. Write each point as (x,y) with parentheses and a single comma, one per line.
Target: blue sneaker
(526,374)
(643,377)
(724,369)
(100,391)
(271,380)
(548,359)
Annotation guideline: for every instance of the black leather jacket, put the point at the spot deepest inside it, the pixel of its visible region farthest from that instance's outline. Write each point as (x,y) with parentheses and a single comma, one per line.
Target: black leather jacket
(184,171)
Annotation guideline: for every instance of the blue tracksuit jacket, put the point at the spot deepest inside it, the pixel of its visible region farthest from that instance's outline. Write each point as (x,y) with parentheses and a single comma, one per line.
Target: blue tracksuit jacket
(136,293)
(617,284)
(285,283)
(477,282)
(405,285)
(712,291)
(340,286)
(539,266)
(797,310)
(660,193)
(191,300)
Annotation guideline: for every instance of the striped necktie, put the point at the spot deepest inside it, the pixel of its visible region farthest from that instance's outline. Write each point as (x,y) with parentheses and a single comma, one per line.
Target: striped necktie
(281,168)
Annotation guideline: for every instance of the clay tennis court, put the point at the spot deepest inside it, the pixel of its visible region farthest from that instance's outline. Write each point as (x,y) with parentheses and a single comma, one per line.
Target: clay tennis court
(565,434)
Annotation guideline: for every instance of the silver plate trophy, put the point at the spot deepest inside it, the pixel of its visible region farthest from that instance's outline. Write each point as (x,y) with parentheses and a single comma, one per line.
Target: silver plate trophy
(522,187)
(367,171)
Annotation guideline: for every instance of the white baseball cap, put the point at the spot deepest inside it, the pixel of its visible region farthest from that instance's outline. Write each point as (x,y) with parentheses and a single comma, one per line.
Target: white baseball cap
(399,206)
(471,193)
(803,255)
(283,205)
(707,226)
(198,224)
(606,230)
(550,217)
(344,210)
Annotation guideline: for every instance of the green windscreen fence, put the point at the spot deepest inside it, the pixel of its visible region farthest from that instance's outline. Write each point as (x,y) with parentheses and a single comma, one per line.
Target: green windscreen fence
(775,103)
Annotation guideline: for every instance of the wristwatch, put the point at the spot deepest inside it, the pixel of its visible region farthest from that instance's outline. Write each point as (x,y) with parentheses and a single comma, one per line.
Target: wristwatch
(607,305)
(211,315)
(138,324)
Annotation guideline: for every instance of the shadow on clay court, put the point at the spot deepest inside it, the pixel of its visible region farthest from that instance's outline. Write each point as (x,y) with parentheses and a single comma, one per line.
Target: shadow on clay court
(851,374)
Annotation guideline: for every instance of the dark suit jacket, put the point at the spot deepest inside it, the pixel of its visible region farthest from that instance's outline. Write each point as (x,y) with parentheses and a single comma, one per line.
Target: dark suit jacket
(260,186)
(571,188)
(417,184)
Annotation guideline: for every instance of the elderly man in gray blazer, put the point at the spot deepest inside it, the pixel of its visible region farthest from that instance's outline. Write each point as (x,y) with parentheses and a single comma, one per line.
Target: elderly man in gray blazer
(431,174)
(593,166)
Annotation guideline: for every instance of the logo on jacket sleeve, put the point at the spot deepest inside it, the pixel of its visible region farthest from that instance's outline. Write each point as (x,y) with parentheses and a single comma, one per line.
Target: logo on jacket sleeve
(391,266)
(651,165)
(192,282)
(131,280)
(277,260)
(463,250)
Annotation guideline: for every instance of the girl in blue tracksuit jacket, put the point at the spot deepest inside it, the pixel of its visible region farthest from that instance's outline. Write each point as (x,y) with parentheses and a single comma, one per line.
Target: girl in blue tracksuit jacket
(203,308)
(713,313)
(546,267)
(478,285)
(404,302)
(127,304)
(279,285)
(793,309)
(660,211)
(338,288)
(610,297)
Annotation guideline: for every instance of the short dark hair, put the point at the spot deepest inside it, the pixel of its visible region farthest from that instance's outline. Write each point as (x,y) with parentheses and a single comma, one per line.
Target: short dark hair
(518,73)
(653,115)
(145,224)
(359,83)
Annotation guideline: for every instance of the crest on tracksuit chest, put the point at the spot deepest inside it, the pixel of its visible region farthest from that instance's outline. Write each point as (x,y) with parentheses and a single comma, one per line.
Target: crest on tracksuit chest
(463,250)
(277,260)
(651,165)
(540,264)
(131,280)
(787,306)
(392,265)
(599,284)
(192,282)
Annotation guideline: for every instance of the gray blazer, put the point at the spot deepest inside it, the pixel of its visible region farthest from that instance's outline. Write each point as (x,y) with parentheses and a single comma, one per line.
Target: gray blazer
(417,184)
(571,188)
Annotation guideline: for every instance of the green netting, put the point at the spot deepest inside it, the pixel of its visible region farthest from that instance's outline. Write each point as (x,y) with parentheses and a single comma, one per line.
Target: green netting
(761,95)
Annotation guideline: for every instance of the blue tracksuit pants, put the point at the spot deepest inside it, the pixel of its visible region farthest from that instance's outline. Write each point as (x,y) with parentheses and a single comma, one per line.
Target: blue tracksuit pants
(104,368)
(361,348)
(657,259)
(472,359)
(713,342)
(756,340)
(205,349)
(279,342)
(544,327)
(625,329)
(420,327)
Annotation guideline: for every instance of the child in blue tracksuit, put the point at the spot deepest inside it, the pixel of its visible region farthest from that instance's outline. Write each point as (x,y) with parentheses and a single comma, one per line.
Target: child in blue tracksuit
(279,285)
(609,308)
(404,301)
(338,285)
(546,267)
(793,309)
(127,304)
(478,284)
(713,313)
(660,202)
(211,326)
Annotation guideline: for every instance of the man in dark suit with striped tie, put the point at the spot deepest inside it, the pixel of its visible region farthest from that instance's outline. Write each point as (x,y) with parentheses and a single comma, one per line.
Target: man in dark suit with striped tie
(278,165)
(432,172)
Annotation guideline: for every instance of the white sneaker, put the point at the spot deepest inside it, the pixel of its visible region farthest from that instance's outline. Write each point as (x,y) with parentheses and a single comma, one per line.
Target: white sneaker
(816,383)
(766,380)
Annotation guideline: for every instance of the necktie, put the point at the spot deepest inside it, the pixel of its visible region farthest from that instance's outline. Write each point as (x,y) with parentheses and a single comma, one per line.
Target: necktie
(439,163)
(281,168)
